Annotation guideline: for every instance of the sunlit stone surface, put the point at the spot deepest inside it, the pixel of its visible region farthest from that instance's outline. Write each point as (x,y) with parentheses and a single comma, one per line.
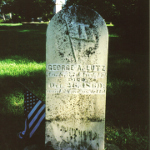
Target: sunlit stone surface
(76,77)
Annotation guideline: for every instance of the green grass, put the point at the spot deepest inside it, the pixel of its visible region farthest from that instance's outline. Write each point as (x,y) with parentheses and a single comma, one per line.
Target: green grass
(10,24)
(22,58)
(126,138)
(110,25)
(16,66)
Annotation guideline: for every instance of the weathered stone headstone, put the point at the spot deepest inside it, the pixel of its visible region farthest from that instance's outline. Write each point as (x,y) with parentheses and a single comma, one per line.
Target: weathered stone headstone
(76,78)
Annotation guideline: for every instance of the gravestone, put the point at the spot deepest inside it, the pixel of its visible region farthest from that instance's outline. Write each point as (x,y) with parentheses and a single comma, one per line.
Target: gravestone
(76,78)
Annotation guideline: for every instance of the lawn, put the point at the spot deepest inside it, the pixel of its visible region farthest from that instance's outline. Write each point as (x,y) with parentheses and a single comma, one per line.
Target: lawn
(22,59)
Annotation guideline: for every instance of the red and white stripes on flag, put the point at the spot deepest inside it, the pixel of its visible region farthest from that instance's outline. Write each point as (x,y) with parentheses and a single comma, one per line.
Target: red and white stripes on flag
(34,110)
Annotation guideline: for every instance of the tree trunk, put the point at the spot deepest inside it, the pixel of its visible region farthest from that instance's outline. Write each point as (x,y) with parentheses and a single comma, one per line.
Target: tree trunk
(10,15)
(4,18)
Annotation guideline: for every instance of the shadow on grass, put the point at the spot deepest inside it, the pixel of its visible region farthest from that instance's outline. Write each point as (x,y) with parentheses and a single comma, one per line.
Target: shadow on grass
(20,45)
(35,82)
(26,40)
(9,128)
(127,88)
(127,91)
(12,110)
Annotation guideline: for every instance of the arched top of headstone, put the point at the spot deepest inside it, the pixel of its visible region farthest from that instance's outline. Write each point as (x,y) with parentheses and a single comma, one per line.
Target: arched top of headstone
(81,15)
(81,27)
(81,12)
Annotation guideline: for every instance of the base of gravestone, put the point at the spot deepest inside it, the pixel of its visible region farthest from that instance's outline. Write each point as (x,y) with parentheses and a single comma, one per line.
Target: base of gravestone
(49,147)
(111,147)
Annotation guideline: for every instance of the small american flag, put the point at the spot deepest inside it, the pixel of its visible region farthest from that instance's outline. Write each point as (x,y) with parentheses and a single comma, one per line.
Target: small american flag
(34,112)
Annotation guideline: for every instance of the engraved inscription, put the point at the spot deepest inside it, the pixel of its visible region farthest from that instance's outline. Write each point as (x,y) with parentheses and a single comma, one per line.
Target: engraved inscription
(79,79)
(60,67)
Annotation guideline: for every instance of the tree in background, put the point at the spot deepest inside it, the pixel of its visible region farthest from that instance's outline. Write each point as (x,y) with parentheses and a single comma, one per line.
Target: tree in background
(27,9)
(118,11)
(47,7)
(6,7)
(103,7)
(132,18)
